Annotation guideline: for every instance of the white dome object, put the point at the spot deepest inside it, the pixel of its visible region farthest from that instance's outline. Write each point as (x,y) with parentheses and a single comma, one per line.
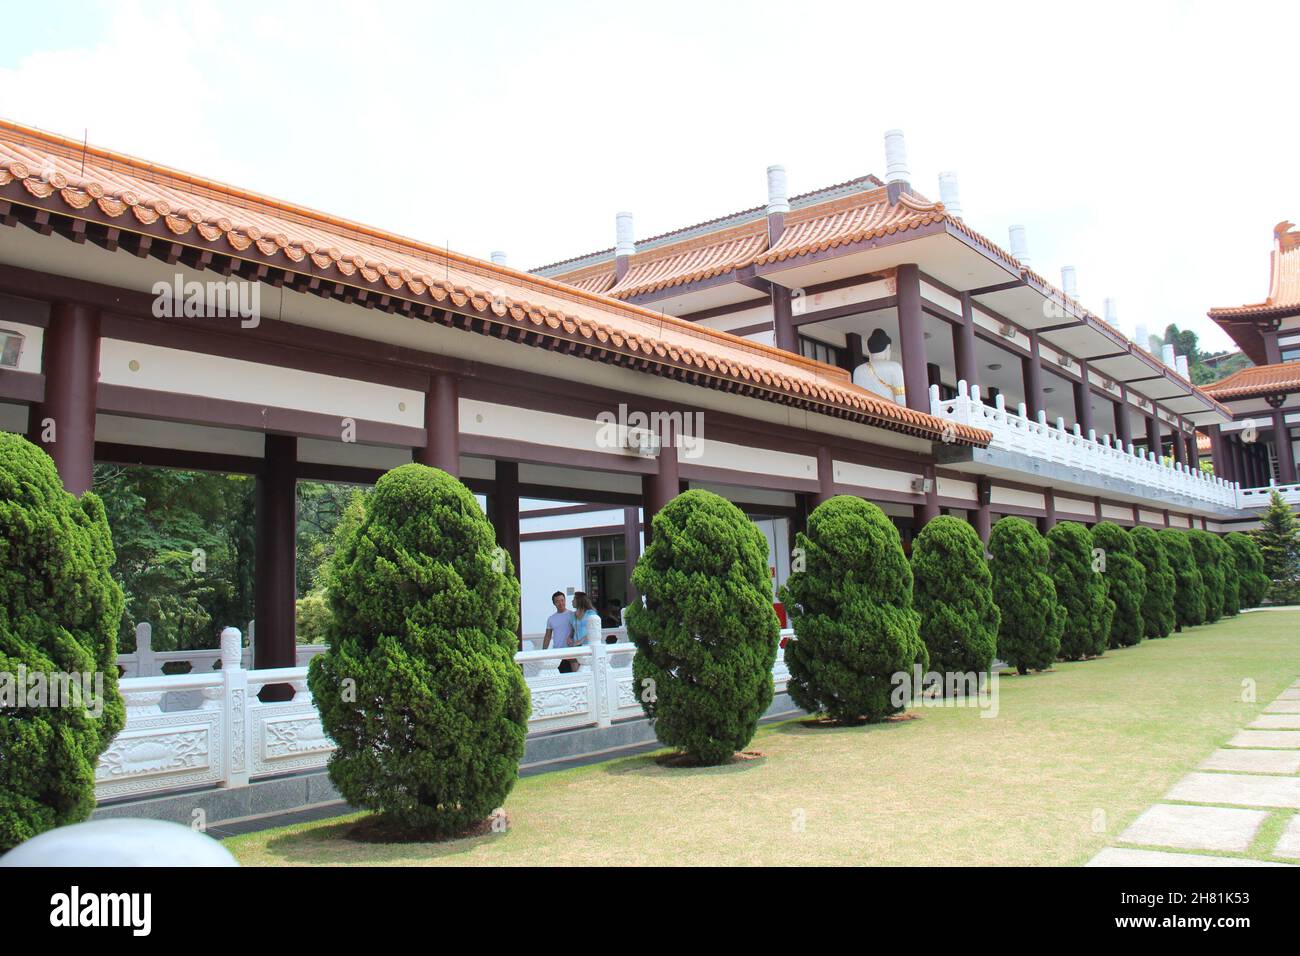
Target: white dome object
(122,842)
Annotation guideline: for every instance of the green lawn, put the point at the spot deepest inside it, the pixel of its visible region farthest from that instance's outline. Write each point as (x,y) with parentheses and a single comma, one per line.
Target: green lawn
(1073,756)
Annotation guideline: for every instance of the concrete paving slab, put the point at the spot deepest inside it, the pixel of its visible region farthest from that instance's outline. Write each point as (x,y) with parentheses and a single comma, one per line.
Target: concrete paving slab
(1254,761)
(1277,722)
(1249,790)
(1195,828)
(1291,693)
(1289,845)
(1283,707)
(1117,856)
(1272,739)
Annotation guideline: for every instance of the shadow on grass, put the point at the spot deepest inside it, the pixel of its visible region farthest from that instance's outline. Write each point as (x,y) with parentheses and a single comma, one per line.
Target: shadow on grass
(335,844)
(672,764)
(824,726)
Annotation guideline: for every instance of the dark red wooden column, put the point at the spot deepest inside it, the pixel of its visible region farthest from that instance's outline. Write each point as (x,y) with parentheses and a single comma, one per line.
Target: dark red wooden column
(1032,370)
(980,517)
(1238,462)
(1222,468)
(1048,521)
(503,512)
(911,333)
(1180,449)
(1083,400)
(1193,453)
(1286,469)
(1153,432)
(64,423)
(503,509)
(782,321)
(661,487)
(441,424)
(963,342)
(924,512)
(1123,426)
(275,586)
(631,546)
(825,476)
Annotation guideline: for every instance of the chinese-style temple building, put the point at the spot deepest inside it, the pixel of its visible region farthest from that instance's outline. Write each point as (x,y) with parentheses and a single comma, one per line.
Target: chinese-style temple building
(859,339)
(1257,449)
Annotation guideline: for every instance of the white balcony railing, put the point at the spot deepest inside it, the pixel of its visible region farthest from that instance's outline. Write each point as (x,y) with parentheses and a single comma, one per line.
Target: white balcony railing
(1260,497)
(144,661)
(1015,431)
(208,728)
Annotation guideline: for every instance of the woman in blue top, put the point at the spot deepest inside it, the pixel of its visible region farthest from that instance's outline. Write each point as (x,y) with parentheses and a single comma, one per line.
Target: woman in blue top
(589,625)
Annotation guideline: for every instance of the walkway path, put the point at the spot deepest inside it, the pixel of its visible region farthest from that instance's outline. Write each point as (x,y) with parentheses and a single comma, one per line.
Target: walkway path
(1240,805)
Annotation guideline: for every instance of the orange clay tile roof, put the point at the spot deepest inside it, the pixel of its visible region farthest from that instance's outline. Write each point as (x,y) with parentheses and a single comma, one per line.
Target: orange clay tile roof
(1257,380)
(1284,278)
(1203,445)
(692,260)
(98,186)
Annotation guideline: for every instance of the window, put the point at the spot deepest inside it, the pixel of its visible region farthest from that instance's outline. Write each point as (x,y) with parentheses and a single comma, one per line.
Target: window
(1291,355)
(605,576)
(820,351)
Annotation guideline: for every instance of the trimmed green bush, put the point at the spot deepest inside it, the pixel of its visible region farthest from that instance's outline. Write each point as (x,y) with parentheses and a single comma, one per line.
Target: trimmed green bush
(1207,558)
(1126,582)
(1189,590)
(1032,619)
(1081,589)
(706,635)
(953,593)
(1158,618)
(59,614)
(419,687)
(851,609)
(1252,580)
(1231,576)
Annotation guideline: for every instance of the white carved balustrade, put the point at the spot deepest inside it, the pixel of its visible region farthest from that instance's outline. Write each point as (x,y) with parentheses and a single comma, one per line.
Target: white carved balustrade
(1016,431)
(144,661)
(227,736)
(1260,497)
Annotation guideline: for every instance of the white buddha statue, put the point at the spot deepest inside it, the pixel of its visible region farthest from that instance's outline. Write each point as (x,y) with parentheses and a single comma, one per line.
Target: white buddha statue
(880,373)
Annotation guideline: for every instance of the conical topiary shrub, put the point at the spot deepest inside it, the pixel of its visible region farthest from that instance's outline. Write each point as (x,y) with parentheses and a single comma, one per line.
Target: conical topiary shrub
(1158,602)
(851,609)
(1207,557)
(1231,576)
(953,593)
(60,610)
(419,687)
(1082,591)
(1126,583)
(1189,590)
(1032,619)
(706,634)
(1252,581)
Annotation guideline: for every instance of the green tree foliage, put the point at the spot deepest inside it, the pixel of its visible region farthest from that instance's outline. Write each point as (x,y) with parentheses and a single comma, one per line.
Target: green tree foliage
(1278,537)
(1032,619)
(1126,582)
(1189,589)
(1254,583)
(706,635)
(851,609)
(185,550)
(1158,617)
(59,614)
(419,688)
(1227,558)
(1081,589)
(1208,561)
(953,593)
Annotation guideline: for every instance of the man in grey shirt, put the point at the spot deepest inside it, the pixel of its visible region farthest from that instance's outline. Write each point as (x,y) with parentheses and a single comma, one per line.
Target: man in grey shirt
(560,625)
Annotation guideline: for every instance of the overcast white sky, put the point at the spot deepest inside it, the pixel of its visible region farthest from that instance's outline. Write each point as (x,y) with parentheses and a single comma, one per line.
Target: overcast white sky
(1151,145)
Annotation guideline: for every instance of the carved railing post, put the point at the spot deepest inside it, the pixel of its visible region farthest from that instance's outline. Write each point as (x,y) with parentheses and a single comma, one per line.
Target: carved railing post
(144,664)
(234,707)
